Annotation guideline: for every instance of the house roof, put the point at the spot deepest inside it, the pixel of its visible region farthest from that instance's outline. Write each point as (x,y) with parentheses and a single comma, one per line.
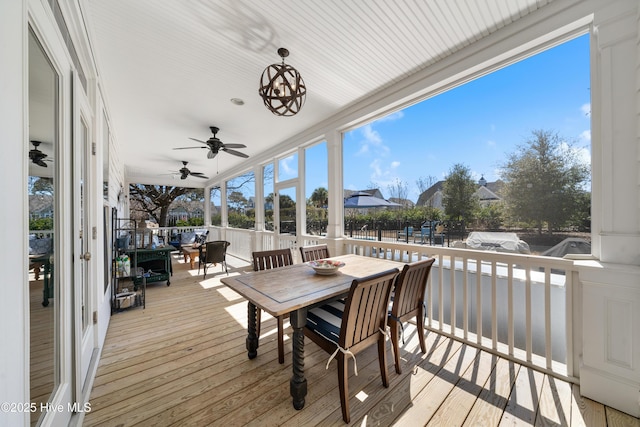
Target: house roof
(489,191)
(375,192)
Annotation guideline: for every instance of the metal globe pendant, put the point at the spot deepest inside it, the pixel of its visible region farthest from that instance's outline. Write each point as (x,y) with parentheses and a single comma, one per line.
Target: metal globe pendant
(282,88)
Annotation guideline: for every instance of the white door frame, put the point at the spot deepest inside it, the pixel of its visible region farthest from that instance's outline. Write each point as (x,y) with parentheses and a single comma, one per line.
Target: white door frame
(84,294)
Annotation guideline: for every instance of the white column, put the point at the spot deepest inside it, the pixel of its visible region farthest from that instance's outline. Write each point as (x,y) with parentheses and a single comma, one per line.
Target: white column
(259,197)
(335,224)
(610,370)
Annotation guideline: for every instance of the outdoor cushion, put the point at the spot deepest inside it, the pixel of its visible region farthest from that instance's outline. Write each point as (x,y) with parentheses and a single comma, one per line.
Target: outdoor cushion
(40,246)
(327,319)
(188,238)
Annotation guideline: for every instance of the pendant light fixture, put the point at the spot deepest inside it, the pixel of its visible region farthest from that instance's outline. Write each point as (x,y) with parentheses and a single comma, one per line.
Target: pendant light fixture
(282,88)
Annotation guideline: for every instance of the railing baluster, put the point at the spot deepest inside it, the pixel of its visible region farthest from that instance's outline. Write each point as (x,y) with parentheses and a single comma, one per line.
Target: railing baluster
(510,325)
(465,298)
(527,308)
(479,301)
(494,307)
(547,315)
(452,287)
(441,292)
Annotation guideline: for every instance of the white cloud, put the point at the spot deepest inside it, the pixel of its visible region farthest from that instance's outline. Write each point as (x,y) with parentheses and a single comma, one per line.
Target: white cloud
(586,109)
(285,167)
(491,143)
(383,175)
(372,142)
(585,136)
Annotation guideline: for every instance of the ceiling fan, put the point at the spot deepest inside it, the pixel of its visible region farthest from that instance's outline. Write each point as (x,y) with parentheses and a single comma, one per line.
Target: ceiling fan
(184,172)
(214,145)
(38,157)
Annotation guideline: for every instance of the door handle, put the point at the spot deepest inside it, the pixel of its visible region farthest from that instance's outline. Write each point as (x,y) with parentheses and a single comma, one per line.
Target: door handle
(86,256)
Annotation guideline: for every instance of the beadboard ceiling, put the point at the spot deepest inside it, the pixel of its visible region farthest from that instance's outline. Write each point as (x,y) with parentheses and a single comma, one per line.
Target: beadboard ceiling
(169,68)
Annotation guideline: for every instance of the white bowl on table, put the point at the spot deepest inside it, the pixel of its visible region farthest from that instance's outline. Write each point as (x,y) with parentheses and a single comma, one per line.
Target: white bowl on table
(326,267)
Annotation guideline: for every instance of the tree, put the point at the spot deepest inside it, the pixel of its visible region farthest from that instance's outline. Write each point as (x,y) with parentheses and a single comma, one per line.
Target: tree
(544,181)
(236,200)
(458,197)
(399,191)
(154,200)
(424,184)
(40,185)
(320,197)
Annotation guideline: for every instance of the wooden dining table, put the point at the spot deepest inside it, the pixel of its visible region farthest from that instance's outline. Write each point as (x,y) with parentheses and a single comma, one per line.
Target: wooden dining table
(293,290)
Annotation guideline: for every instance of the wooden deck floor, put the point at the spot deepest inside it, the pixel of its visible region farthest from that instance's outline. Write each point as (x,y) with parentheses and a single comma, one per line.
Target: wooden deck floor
(182,361)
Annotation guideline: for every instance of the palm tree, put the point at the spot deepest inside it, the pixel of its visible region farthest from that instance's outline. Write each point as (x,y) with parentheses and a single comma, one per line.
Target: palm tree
(320,197)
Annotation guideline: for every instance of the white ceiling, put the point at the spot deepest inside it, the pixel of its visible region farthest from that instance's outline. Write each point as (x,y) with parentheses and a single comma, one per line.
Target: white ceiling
(170,67)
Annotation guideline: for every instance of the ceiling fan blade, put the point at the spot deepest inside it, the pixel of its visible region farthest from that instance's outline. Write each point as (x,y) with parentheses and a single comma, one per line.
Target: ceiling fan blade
(235,145)
(197,173)
(41,163)
(211,154)
(235,153)
(187,148)
(198,140)
(199,176)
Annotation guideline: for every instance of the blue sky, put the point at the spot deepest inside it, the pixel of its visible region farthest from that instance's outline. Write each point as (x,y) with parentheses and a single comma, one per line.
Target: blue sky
(476,124)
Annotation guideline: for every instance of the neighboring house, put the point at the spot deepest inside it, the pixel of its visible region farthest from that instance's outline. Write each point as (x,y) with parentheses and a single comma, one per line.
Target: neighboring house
(40,206)
(251,204)
(432,196)
(184,210)
(487,193)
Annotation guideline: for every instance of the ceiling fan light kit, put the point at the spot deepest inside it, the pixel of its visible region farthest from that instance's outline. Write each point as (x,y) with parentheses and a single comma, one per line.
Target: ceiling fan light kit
(282,88)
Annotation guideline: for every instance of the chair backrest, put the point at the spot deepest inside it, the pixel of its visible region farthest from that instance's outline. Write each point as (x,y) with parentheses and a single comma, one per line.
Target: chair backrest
(216,251)
(202,238)
(265,260)
(408,295)
(365,312)
(312,253)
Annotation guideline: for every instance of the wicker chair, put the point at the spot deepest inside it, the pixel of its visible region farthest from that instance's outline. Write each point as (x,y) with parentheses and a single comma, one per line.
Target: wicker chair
(213,253)
(266,260)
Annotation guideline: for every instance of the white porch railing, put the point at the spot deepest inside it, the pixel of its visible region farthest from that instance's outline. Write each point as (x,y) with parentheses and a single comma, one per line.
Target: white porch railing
(517,306)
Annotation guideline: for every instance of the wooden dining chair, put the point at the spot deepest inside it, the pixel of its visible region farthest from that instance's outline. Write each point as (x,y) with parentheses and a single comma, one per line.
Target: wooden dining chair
(314,252)
(266,260)
(352,325)
(408,302)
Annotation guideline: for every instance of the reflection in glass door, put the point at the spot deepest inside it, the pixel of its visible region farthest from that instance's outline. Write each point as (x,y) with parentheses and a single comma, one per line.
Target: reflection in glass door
(285,217)
(44,306)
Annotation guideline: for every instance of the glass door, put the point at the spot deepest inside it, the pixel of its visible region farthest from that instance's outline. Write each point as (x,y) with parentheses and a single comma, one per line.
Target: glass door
(44,235)
(285,222)
(83,293)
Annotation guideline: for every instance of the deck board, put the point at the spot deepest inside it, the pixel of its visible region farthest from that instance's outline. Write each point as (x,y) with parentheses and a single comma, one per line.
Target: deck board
(182,361)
